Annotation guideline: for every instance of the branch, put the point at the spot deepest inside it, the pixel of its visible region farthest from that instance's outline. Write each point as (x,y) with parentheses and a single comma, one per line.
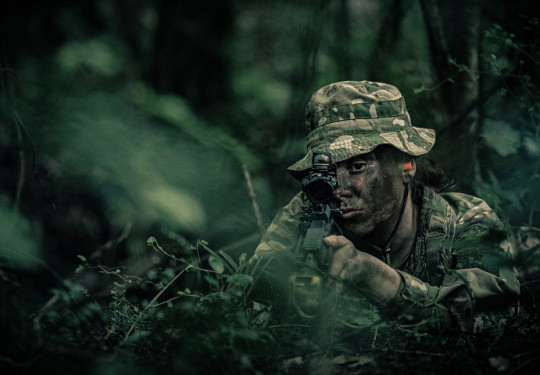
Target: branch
(254,201)
(483,97)
(153,301)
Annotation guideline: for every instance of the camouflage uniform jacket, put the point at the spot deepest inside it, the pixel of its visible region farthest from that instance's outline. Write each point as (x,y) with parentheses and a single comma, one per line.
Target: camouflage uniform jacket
(456,231)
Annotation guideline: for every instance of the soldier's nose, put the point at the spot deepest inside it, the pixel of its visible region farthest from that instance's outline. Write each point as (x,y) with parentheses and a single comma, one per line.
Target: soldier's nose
(343,188)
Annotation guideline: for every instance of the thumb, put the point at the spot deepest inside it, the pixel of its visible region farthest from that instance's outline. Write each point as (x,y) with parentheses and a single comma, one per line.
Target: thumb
(336,241)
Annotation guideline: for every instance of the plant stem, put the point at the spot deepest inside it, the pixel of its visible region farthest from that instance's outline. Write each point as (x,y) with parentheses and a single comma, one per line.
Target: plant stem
(154,300)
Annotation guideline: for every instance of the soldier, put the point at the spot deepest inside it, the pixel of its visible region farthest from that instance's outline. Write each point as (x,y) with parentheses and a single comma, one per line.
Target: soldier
(408,247)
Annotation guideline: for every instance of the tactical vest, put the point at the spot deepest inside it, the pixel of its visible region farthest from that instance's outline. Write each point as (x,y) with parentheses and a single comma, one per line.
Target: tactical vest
(434,244)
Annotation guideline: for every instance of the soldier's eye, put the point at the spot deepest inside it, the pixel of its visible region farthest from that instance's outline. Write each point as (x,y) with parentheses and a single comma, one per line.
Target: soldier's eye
(357,167)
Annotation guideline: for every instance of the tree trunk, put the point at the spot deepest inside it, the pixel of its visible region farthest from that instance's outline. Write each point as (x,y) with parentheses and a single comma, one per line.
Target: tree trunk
(387,36)
(453,32)
(190,55)
(343,37)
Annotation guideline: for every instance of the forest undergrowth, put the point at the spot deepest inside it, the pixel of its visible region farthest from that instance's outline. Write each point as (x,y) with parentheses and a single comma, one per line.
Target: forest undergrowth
(192,313)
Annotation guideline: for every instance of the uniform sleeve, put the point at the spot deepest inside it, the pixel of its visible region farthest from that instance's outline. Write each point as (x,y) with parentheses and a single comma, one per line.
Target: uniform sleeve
(282,234)
(482,289)
(469,299)
(275,254)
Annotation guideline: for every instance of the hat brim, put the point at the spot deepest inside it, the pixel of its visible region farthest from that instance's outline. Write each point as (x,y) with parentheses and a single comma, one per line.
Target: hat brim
(410,140)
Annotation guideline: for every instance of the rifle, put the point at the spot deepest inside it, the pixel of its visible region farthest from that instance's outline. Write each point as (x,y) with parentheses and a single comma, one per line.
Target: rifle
(316,222)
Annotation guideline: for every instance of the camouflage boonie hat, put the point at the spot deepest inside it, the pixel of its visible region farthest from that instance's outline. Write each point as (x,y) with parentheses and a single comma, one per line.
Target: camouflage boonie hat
(351,118)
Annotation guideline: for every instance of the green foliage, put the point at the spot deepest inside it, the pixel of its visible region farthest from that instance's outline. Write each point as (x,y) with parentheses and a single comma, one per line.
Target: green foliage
(177,112)
(18,248)
(101,56)
(510,174)
(500,136)
(153,324)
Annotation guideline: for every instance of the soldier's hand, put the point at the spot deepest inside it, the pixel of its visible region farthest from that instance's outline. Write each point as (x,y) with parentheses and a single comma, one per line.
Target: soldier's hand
(375,279)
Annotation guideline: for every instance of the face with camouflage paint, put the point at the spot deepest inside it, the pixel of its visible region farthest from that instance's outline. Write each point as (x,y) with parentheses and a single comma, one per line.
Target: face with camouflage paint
(370,192)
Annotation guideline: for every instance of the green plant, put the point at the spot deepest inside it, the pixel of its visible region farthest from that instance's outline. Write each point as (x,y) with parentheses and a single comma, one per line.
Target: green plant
(152,323)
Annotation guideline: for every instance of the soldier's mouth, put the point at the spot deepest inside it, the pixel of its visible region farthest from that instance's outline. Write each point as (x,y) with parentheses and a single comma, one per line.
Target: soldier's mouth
(347,213)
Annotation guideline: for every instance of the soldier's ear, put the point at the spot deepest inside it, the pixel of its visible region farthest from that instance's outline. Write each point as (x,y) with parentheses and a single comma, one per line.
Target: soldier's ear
(409,170)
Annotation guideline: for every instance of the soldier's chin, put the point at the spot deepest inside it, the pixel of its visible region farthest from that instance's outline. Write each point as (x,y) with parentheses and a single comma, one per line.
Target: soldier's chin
(355,229)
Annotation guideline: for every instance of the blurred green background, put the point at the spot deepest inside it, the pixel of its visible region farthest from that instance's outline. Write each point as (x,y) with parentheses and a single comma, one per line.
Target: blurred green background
(121,120)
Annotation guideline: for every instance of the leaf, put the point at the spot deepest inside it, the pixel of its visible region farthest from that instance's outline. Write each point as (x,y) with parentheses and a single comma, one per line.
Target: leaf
(419,90)
(229,259)
(216,264)
(136,336)
(210,280)
(242,260)
(177,205)
(215,255)
(532,145)
(499,363)
(352,361)
(185,292)
(500,136)
(240,279)
(99,56)
(176,111)
(340,360)
(18,248)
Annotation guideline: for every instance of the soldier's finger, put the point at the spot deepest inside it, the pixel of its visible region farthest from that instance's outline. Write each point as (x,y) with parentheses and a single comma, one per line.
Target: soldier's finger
(336,241)
(351,270)
(341,258)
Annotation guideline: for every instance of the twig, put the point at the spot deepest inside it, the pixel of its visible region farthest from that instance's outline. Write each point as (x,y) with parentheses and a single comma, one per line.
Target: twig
(253,197)
(420,352)
(289,326)
(112,242)
(531,213)
(175,298)
(37,319)
(482,98)
(22,166)
(375,337)
(154,300)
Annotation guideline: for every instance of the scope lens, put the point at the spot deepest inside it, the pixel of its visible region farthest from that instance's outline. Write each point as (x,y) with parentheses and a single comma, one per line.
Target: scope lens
(319,191)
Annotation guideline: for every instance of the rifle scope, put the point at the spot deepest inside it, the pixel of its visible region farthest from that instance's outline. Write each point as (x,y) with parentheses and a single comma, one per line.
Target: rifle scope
(321,182)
